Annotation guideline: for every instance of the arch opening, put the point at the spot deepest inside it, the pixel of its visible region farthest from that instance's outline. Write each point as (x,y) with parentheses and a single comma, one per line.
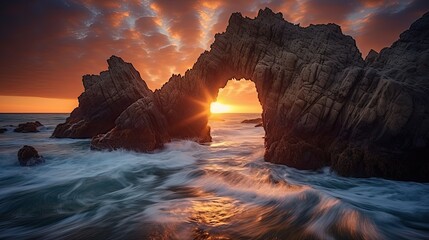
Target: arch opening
(237,96)
(235,115)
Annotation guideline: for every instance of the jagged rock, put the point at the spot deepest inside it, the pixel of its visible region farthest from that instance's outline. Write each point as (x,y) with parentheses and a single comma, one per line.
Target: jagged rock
(320,99)
(28,127)
(105,97)
(28,156)
(322,103)
(254,121)
(141,127)
(3,130)
(372,55)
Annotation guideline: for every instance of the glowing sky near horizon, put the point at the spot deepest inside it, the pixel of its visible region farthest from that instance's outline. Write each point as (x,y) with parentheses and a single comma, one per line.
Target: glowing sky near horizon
(48,45)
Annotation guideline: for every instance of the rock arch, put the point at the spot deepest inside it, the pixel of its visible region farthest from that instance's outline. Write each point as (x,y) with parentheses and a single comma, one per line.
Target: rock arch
(322,103)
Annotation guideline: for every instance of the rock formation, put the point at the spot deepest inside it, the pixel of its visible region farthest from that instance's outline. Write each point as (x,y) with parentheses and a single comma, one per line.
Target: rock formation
(322,103)
(28,156)
(105,97)
(28,127)
(253,121)
(256,121)
(141,127)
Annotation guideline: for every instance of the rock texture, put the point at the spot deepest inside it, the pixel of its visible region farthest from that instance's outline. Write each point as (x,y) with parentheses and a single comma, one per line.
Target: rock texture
(322,103)
(105,97)
(28,127)
(28,156)
(141,127)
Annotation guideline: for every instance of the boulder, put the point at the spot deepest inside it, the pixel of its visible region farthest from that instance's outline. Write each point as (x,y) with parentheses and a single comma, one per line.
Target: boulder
(28,127)
(28,156)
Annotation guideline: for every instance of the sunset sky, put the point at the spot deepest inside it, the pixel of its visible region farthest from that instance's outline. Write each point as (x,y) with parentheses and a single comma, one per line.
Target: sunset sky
(47,45)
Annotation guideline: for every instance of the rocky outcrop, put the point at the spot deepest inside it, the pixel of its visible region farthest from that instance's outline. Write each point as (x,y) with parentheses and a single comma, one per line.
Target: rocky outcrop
(105,97)
(28,127)
(322,103)
(28,156)
(141,127)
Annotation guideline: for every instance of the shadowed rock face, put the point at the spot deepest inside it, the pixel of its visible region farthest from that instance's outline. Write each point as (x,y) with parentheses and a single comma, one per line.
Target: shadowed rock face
(322,103)
(141,127)
(105,97)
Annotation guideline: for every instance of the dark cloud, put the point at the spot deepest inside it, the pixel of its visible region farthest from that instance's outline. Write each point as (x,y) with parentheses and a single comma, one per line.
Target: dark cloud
(47,45)
(382,28)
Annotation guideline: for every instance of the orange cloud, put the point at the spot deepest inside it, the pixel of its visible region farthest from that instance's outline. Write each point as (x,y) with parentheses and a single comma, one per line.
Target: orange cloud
(49,45)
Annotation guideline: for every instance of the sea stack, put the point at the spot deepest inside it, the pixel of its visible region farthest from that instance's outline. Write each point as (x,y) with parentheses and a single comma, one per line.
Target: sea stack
(323,105)
(105,97)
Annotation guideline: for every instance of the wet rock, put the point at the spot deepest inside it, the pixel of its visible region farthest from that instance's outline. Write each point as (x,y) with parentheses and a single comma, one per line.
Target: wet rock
(3,130)
(28,127)
(105,97)
(259,125)
(253,121)
(28,156)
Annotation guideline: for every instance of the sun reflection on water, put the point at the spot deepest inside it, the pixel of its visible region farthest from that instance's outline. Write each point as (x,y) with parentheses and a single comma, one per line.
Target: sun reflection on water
(214,213)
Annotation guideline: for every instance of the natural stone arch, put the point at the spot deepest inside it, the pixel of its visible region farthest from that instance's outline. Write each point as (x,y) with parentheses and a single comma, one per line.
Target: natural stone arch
(271,53)
(322,103)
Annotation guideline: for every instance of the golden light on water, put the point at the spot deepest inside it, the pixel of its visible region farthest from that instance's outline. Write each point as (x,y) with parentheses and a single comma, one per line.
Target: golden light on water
(216,212)
(217,107)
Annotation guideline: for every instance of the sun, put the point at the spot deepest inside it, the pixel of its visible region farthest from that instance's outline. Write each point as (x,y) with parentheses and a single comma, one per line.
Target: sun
(217,107)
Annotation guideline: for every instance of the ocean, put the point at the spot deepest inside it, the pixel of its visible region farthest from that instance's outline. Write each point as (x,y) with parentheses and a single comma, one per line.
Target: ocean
(220,190)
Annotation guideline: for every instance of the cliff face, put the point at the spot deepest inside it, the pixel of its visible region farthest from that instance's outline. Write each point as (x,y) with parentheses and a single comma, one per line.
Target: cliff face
(105,97)
(322,103)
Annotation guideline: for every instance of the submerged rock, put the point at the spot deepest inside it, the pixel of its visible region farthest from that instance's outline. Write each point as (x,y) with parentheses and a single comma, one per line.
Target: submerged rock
(322,103)
(28,127)
(253,121)
(105,97)
(28,156)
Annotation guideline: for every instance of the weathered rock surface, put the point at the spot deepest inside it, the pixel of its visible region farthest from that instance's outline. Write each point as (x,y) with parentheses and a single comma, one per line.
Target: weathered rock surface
(105,97)
(141,127)
(28,127)
(322,103)
(28,156)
